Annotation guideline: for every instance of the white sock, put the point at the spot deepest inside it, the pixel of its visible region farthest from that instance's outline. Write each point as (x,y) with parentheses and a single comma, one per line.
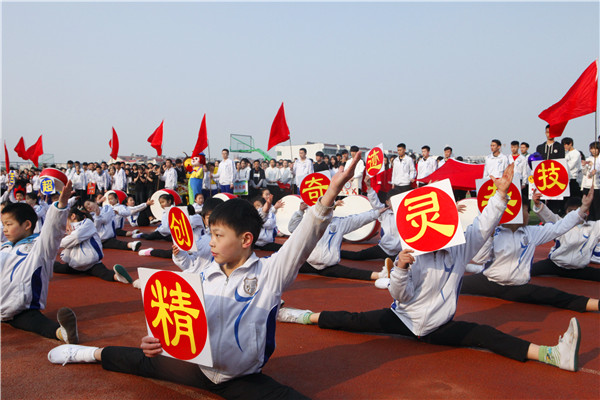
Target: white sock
(88,354)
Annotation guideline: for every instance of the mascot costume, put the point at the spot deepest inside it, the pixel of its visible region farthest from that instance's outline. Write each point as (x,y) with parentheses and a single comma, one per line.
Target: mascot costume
(195,173)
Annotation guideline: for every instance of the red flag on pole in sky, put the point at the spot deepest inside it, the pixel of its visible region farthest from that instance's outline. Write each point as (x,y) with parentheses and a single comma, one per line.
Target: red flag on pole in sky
(279,130)
(114,144)
(35,151)
(580,100)
(202,141)
(6,160)
(156,139)
(20,149)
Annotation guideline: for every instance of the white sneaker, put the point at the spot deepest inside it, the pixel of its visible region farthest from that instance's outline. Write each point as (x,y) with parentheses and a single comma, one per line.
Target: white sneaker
(565,355)
(382,283)
(145,252)
(137,284)
(72,353)
(135,246)
(136,235)
(287,314)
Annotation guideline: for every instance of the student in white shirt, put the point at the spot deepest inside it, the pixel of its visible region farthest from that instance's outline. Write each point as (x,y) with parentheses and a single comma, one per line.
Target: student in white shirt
(426,165)
(447,156)
(573,158)
(591,176)
(225,173)
(360,168)
(272,176)
(403,170)
(496,162)
(120,178)
(170,175)
(302,167)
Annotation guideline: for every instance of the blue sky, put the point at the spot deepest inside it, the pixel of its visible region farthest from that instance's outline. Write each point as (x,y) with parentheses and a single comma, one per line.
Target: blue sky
(353,73)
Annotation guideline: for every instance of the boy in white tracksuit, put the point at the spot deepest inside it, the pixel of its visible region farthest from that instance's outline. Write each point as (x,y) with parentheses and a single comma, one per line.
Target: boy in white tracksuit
(507,272)
(325,258)
(104,220)
(425,289)
(572,252)
(389,243)
(26,268)
(266,239)
(242,295)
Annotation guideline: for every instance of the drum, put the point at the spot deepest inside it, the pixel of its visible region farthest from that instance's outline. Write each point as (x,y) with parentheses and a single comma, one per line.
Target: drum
(225,196)
(59,177)
(291,204)
(121,195)
(356,204)
(466,217)
(155,208)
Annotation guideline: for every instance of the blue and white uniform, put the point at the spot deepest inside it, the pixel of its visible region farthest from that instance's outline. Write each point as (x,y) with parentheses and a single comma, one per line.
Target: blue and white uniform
(389,237)
(269,229)
(134,213)
(82,248)
(105,223)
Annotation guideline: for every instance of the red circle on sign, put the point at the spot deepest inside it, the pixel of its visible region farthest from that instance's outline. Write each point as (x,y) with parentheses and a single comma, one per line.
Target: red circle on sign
(374,161)
(313,186)
(181,229)
(427,219)
(175,315)
(551,178)
(488,189)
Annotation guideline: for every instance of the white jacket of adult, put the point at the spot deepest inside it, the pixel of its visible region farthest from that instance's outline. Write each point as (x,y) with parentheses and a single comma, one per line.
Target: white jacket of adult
(495,165)
(521,168)
(100,181)
(403,171)
(591,173)
(134,213)
(327,251)
(241,309)
(574,249)
(105,223)
(82,248)
(389,238)
(170,178)
(426,293)
(121,212)
(286,175)
(301,169)
(512,253)
(272,175)
(79,180)
(120,180)
(573,158)
(225,173)
(26,266)
(426,167)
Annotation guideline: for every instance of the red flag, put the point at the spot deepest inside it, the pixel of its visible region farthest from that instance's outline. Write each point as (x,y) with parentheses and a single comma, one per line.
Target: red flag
(202,141)
(279,130)
(35,151)
(114,145)
(156,139)
(580,100)
(6,160)
(20,149)
(462,175)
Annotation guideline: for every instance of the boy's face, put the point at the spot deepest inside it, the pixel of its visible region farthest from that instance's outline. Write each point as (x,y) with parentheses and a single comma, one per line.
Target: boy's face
(594,151)
(19,196)
(199,199)
(206,218)
(524,149)
(13,230)
(112,200)
(447,153)
(257,205)
(514,149)
(91,206)
(164,203)
(227,247)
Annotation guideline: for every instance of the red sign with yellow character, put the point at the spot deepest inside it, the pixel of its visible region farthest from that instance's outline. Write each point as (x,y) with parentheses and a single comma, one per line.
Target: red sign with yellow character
(175,315)
(181,229)
(427,219)
(487,190)
(313,186)
(551,178)
(374,164)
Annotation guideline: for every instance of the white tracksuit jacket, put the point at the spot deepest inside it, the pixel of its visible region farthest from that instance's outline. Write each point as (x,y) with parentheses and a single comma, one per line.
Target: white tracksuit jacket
(40,210)
(26,266)
(426,293)
(134,213)
(163,228)
(390,238)
(574,249)
(121,213)
(269,228)
(195,262)
(105,223)
(241,309)
(327,251)
(512,253)
(82,248)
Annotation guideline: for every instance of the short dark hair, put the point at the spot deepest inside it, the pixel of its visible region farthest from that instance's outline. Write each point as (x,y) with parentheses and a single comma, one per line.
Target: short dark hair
(525,144)
(21,212)
(210,204)
(354,148)
(573,202)
(227,150)
(320,154)
(302,149)
(548,126)
(426,148)
(566,140)
(343,152)
(595,145)
(239,215)
(168,197)
(514,143)
(401,145)
(447,148)
(499,143)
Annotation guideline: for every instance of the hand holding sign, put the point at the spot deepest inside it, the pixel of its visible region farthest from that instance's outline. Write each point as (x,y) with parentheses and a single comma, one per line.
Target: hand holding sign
(181,229)
(375,158)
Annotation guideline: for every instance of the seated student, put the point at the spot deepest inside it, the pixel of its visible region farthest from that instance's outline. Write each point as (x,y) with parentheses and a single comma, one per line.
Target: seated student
(389,243)
(13,194)
(325,258)
(25,289)
(266,238)
(425,291)
(196,221)
(198,202)
(248,285)
(507,273)
(40,208)
(162,232)
(121,212)
(138,215)
(572,252)
(105,225)
(83,250)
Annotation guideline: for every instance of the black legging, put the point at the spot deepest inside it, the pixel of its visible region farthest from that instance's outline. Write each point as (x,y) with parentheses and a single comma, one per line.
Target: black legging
(269,246)
(36,322)
(114,243)
(370,253)
(337,271)
(156,235)
(99,270)
(479,284)
(452,333)
(548,267)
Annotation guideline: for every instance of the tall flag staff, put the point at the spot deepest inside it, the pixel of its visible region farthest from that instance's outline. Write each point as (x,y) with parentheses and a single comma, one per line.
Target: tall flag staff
(280,132)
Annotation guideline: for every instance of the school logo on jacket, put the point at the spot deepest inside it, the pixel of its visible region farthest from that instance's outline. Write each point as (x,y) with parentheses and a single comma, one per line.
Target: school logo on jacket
(250,285)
